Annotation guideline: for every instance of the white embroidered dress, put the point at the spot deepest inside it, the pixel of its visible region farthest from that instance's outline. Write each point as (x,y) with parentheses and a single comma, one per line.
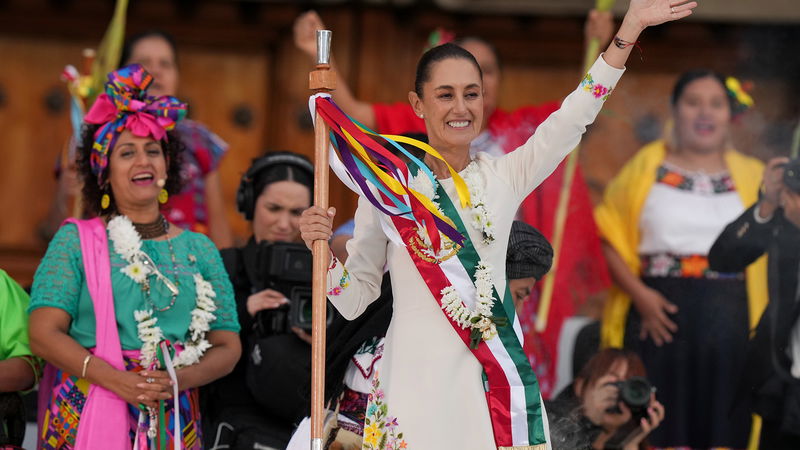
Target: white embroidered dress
(429,382)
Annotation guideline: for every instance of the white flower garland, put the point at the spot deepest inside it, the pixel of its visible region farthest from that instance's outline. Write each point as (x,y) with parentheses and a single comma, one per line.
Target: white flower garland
(480,319)
(481,219)
(128,244)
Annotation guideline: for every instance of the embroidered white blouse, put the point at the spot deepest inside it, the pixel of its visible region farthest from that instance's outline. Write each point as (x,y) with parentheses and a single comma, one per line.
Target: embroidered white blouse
(430,381)
(669,209)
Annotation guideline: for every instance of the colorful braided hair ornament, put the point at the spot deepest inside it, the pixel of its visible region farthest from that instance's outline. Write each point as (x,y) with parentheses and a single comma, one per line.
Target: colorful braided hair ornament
(125,105)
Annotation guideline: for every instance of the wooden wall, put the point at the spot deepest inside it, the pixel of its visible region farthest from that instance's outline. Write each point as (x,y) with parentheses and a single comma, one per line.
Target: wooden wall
(240,55)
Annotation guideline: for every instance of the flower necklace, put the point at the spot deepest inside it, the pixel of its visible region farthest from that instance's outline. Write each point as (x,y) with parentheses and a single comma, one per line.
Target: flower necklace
(480,320)
(481,218)
(128,244)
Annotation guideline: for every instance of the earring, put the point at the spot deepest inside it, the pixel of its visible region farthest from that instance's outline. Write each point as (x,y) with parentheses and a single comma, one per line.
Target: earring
(163,196)
(105,200)
(421,116)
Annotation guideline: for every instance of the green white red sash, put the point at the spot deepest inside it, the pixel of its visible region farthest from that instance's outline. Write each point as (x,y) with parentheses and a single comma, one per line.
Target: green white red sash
(512,391)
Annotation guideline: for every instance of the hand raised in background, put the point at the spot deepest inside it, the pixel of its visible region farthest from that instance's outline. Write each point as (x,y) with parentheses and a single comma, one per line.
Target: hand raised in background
(305,32)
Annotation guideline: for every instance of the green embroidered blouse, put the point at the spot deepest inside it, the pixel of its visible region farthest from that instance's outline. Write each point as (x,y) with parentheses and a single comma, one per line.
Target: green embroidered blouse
(60,283)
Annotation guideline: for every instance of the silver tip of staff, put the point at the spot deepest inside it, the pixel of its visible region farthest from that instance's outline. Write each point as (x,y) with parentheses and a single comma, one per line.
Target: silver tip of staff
(316,443)
(324,46)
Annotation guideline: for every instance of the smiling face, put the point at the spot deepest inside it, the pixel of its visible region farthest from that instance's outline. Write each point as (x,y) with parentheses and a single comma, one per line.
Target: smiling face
(155,54)
(451,103)
(135,166)
(702,116)
(276,217)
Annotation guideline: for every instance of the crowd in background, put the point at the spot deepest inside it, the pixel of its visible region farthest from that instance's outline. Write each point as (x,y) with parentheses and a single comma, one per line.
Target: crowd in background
(677,243)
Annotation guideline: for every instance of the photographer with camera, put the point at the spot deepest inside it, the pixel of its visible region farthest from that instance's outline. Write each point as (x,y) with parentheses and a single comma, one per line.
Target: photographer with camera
(610,405)
(257,405)
(772,375)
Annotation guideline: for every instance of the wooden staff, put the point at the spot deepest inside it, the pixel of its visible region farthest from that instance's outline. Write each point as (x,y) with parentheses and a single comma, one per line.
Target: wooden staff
(592,52)
(321,80)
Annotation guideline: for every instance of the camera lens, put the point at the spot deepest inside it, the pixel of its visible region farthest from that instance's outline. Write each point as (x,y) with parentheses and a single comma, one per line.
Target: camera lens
(635,392)
(791,175)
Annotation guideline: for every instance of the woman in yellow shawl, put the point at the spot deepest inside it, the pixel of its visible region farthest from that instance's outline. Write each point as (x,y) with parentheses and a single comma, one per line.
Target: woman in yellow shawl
(658,220)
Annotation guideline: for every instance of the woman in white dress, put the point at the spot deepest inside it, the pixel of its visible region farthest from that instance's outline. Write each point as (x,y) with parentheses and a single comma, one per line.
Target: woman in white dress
(453,373)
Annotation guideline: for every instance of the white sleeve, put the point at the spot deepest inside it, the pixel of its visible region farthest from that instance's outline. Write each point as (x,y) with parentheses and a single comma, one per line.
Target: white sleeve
(530,164)
(352,287)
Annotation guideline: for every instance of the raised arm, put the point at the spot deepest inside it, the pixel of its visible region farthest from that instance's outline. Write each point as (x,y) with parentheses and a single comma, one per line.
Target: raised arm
(642,14)
(535,160)
(305,38)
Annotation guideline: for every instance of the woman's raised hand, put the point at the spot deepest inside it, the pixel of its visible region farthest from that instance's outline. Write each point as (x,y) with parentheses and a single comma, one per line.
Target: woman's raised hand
(305,32)
(647,13)
(316,224)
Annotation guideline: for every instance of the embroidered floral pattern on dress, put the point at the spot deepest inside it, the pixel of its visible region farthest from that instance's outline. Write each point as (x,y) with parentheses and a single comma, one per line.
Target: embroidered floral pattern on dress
(380,429)
(343,283)
(681,266)
(697,182)
(596,89)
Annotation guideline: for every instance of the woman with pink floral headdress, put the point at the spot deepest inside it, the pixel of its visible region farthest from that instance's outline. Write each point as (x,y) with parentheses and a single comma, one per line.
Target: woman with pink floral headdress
(131,312)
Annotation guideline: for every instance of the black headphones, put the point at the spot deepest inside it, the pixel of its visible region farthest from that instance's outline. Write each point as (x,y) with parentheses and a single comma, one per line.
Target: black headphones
(245,197)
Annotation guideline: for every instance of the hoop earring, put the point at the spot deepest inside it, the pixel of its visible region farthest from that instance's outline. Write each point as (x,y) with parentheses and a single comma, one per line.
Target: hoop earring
(163,196)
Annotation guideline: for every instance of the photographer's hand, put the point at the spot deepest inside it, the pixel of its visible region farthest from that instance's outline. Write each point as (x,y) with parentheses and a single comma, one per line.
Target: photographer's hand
(599,398)
(772,187)
(654,309)
(266,299)
(655,415)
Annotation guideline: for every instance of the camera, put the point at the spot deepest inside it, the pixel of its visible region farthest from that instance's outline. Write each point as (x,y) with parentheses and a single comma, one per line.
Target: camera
(635,393)
(791,175)
(287,268)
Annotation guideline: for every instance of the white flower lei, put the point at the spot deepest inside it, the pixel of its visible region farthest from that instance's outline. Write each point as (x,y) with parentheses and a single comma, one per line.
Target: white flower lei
(481,219)
(128,244)
(479,320)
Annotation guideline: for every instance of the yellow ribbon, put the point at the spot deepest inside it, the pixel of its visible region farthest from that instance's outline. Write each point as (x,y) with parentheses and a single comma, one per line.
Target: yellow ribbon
(393,184)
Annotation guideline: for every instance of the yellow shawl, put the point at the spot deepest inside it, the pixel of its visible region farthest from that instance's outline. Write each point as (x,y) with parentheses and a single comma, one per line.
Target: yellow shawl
(617,218)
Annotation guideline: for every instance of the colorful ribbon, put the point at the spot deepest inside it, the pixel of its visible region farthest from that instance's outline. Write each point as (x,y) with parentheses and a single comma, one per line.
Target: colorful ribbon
(512,389)
(369,163)
(126,105)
